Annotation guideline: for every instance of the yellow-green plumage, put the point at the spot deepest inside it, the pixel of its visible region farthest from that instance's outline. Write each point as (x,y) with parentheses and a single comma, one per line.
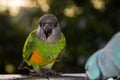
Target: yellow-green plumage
(48,52)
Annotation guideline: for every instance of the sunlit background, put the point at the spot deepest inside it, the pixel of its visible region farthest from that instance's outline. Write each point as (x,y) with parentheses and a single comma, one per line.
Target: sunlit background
(87,24)
(14,6)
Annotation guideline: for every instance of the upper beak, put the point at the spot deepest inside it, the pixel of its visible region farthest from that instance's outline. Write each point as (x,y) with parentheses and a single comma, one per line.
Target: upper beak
(47,30)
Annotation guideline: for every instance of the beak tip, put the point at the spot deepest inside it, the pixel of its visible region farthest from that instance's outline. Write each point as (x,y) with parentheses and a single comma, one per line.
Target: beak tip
(47,31)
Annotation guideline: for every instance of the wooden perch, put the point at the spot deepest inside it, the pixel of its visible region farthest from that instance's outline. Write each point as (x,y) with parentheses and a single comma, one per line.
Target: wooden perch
(72,76)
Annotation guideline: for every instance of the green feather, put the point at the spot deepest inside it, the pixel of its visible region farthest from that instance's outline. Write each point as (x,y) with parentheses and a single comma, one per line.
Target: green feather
(48,52)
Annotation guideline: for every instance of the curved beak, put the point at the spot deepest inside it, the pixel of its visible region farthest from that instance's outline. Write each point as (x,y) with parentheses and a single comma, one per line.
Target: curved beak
(47,30)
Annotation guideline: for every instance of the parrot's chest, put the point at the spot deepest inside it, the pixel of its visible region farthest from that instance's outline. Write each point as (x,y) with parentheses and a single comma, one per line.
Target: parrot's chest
(49,51)
(45,53)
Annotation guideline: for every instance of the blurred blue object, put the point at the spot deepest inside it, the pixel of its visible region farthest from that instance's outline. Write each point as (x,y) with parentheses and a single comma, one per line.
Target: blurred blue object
(105,63)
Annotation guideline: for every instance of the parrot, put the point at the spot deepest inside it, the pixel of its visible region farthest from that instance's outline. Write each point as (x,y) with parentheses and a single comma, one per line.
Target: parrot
(105,63)
(43,46)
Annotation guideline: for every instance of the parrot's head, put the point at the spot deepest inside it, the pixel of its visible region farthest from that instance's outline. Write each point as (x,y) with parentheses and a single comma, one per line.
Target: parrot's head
(48,29)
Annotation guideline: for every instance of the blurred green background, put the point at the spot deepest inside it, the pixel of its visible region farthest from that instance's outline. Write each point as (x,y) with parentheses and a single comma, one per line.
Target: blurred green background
(87,24)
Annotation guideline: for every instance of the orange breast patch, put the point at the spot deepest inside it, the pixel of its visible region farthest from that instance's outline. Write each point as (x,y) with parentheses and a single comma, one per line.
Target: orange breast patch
(36,57)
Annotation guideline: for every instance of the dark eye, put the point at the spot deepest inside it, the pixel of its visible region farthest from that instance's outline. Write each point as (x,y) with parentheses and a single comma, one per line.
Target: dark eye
(41,24)
(55,24)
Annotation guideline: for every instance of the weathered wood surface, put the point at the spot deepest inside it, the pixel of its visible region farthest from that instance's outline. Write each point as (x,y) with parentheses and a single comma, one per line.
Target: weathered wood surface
(72,76)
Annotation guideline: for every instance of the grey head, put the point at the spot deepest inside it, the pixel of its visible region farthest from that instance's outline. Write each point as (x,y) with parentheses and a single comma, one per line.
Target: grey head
(49,29)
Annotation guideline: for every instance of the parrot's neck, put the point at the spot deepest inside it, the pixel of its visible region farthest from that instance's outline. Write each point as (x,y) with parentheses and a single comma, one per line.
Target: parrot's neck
(54,37)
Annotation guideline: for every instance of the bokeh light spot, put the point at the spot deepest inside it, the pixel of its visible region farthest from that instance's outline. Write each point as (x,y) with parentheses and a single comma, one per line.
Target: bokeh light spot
(14,6)
(9,68)
(98,4)
(44,5)
(72,11)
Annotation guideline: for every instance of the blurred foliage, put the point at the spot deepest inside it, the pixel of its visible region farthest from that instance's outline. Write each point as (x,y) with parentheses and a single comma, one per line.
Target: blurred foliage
(87,25)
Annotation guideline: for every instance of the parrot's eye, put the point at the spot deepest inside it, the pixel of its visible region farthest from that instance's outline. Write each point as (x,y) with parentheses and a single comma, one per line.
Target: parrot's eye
(41,24)
(55,25)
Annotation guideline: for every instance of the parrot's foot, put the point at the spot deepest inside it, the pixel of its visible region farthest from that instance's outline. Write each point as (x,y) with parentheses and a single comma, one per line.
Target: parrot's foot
(45,73)
(50,72)
(38,74)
